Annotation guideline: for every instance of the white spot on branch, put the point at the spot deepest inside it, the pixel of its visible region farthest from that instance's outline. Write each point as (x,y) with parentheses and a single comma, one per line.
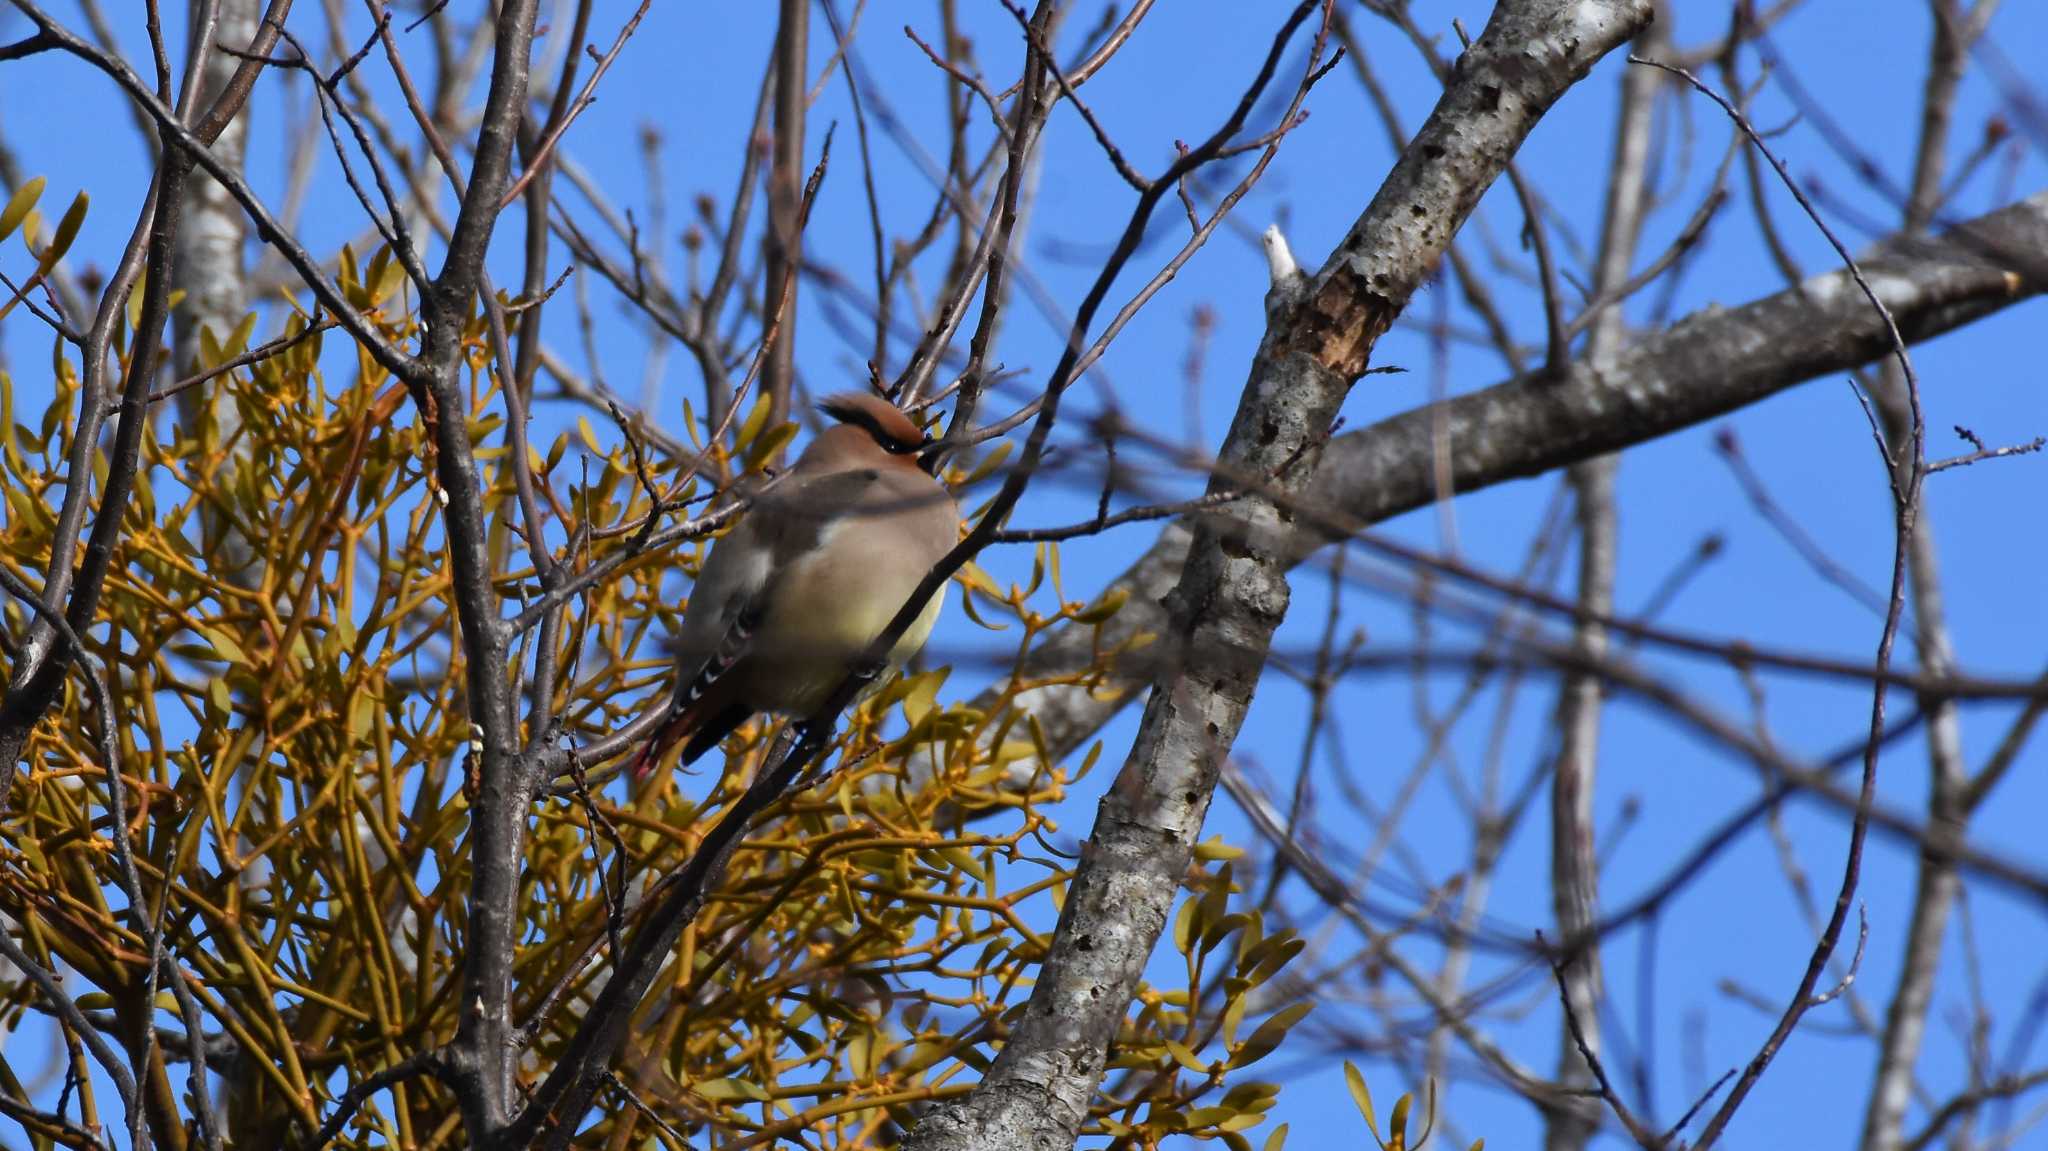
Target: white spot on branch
(1280,258)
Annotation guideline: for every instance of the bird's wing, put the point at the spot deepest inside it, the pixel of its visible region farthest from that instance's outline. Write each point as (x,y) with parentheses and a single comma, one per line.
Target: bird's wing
(738,578)
(732,593)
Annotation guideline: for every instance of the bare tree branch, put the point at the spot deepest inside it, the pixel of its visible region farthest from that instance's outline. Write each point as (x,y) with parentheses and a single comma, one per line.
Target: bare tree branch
(1574,862)
(479,1060)
(1939,882)
(74,581)
(785,176)
(1233,592)
(1905,473)
(210,271)
(1706,365)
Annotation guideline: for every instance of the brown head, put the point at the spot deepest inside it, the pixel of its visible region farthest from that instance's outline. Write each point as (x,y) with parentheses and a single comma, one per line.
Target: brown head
(870,430)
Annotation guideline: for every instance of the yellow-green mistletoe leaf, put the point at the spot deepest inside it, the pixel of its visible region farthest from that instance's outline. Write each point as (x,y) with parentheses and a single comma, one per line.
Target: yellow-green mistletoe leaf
(730,1090)
(19,204)
(1361,1096)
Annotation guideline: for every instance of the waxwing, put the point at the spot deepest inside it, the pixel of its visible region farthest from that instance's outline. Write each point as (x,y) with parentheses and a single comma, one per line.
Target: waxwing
(811,575)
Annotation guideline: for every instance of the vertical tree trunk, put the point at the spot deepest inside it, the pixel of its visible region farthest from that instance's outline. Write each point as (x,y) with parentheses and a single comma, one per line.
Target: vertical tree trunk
(1938,883)
(1574,862)
(211,275)
(1233,592)
(785,186)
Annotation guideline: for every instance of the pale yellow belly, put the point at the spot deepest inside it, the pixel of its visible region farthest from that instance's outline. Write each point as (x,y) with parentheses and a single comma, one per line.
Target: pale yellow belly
(824,617)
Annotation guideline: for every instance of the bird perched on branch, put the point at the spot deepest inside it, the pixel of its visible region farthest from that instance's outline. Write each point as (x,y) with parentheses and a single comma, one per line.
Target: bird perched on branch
(789,600)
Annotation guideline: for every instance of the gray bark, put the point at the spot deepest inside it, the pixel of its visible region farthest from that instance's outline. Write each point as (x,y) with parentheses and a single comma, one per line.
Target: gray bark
(785,187)
(1574,864)
(1232,593)
(211,274)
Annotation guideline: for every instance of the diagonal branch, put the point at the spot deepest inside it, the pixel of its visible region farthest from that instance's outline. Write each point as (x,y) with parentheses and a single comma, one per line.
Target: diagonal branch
(74,580)
(1706,365)
(1233,593)
(561,1100)
(273,233)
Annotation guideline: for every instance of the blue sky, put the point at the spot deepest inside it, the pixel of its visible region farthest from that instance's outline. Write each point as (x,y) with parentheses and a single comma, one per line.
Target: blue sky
(691,72)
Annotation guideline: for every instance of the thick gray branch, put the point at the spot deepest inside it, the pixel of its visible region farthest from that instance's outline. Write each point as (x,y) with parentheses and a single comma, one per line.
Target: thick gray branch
(1233,592)
(480,1059)
(1711,363)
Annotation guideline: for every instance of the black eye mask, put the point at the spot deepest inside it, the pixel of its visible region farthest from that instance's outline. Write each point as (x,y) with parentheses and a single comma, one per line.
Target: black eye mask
(865,420)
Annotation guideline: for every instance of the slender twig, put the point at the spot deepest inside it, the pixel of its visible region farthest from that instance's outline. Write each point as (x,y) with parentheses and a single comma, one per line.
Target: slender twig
(255,355)
(77,1024)
(1908,490)
(1556,341)
(2004,1087)
(429,1062)
(1116,156)
(583,100)
(972,82)
(1685,1120)
(1643,1136)
(562,1097)
(1983,453)
(641,1105)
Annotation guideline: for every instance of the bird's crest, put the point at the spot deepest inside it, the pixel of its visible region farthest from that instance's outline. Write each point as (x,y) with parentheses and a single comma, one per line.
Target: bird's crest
(888,424)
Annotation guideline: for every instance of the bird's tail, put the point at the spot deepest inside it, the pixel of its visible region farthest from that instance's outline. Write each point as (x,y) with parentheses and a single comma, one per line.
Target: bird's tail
(697,727)
(672,731)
